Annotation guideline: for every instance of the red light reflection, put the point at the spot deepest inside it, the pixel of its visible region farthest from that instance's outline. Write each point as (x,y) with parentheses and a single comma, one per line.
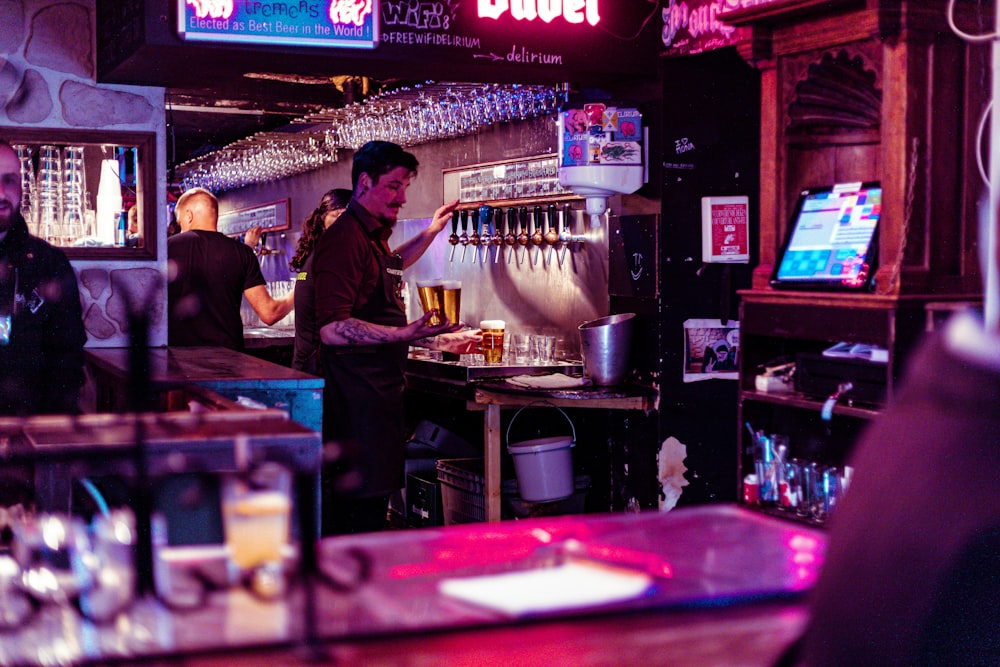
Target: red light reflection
(487,544)
(478,545)
(805,557)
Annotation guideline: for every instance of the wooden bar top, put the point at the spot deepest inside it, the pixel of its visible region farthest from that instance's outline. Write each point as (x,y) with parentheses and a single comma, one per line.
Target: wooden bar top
(175,366)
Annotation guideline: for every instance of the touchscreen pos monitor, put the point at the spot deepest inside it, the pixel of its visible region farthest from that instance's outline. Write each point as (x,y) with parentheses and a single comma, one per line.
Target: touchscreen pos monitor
(832,238)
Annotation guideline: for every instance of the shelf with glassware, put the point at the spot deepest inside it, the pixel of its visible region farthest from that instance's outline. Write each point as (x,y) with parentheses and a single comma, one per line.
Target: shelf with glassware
(89,192)
(815,368)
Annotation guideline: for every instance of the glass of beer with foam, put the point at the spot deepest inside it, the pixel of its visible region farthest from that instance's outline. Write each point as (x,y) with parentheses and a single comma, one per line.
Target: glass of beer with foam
(431,296)
(451,300)
(492,341)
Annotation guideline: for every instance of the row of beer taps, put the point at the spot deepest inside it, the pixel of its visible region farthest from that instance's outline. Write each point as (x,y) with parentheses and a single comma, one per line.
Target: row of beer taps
(515,231)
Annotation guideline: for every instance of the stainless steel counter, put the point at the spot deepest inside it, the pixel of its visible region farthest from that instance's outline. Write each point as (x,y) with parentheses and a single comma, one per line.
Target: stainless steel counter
(256,337)
(464,372)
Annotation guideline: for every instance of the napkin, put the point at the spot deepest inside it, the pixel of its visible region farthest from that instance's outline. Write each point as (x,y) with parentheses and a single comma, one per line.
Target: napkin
(551,381)
(571,585)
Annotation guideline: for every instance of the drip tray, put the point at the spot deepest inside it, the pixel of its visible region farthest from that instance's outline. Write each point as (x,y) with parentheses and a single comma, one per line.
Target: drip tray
(456,370)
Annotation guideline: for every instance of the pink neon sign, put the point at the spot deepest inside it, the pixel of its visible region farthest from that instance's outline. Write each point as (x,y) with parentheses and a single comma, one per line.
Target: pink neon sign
(573,11)
(216,9)
(350,11)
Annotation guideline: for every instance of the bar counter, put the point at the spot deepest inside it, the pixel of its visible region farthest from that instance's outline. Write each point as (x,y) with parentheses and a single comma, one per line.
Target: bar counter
(227,372)
(724,586)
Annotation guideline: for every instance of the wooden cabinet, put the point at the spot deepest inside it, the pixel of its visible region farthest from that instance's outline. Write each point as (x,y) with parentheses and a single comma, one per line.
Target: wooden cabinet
(779,327)
(856,90)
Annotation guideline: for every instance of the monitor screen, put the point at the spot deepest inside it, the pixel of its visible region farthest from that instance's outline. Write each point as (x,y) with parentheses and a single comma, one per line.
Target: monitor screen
(831,238)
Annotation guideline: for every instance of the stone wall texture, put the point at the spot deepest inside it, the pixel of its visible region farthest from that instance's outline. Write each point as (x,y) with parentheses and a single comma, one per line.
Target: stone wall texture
(48,80)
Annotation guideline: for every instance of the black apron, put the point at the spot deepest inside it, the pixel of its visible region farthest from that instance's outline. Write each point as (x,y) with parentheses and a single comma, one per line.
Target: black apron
(363,397)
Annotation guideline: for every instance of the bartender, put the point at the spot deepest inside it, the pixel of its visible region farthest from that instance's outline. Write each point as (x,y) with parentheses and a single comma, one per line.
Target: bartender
(366,337)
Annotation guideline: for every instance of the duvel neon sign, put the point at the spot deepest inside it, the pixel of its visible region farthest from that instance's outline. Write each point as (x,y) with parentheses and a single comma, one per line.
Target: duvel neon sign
(339,23)
(573,11)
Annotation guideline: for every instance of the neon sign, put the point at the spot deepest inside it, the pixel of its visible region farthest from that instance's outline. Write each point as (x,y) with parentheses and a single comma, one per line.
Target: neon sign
(350,11)
(573,11)
(338,23)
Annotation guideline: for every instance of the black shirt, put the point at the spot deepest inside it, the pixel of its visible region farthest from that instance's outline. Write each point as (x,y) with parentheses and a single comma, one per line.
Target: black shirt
(208,274)
(306,331)
(41,357)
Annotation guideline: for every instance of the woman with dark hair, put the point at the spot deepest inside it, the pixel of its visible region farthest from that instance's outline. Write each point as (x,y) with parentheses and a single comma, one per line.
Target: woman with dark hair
(331,205)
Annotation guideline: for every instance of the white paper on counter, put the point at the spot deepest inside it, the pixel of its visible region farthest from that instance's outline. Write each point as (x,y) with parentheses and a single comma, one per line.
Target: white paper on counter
(551,381)
(572,585)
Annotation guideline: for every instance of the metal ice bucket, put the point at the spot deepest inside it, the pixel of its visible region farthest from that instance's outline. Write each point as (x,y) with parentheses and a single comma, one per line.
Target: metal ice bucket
(606,344)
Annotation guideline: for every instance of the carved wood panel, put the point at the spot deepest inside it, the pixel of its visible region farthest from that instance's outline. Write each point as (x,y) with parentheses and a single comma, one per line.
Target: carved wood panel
(874,90)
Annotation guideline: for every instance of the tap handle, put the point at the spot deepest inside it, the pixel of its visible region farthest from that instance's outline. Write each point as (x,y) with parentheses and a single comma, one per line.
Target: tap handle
(565,234)
(455,215)
(486,218)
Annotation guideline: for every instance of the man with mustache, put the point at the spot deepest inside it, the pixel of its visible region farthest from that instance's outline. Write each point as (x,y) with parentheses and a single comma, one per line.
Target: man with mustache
(366,337)
(41,320)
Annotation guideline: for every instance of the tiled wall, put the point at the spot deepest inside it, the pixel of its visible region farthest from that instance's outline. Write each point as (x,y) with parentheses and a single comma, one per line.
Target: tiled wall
(48,80)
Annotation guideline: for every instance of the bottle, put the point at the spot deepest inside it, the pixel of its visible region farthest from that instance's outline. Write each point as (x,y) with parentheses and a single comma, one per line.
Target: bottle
(121,231)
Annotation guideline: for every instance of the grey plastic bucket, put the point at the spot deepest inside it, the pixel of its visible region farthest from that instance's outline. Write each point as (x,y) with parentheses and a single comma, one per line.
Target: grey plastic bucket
(544,466)
(606,344)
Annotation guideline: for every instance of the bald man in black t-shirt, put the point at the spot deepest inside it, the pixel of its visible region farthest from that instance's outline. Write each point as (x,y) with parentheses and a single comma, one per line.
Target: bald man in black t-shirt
(209,273)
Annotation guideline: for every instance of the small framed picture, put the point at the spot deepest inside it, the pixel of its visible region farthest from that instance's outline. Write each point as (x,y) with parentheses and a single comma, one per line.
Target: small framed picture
(711,350)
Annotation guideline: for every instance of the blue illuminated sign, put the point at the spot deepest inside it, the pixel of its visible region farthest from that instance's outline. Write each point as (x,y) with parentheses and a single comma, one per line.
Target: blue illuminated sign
(336,23)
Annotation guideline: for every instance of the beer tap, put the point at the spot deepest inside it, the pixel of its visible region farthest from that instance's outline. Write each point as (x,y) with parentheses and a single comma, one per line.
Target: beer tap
(551,233)
(536,234)
(565,235)
(496,238)
(263,250)
(522,226)
(485,233)
(510,221)
(464,238)
(474,239)
(453,239)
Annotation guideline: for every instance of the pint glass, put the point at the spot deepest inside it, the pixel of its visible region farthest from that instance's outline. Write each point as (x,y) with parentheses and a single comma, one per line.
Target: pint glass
(492,333)
(451,300)
(256,517)
(431,296)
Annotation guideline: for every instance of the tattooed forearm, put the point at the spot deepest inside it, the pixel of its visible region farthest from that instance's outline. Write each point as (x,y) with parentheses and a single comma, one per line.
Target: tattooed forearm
(358,332)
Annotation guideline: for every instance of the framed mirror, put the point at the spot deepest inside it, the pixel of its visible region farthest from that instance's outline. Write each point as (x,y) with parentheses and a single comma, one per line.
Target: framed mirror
(89,192)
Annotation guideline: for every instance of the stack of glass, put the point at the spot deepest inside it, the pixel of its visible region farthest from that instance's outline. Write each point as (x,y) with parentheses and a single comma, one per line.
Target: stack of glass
(27,186)
(74,192)
(49,193)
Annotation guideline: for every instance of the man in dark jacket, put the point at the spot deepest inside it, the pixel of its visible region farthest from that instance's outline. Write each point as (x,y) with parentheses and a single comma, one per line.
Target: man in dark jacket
(41,320)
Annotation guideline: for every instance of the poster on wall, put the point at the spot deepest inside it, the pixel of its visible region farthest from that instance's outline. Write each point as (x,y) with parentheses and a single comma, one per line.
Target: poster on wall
(725,232)
(711,350)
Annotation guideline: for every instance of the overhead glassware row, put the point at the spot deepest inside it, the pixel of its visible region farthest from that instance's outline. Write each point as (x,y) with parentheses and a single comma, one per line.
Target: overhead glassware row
(408,116)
